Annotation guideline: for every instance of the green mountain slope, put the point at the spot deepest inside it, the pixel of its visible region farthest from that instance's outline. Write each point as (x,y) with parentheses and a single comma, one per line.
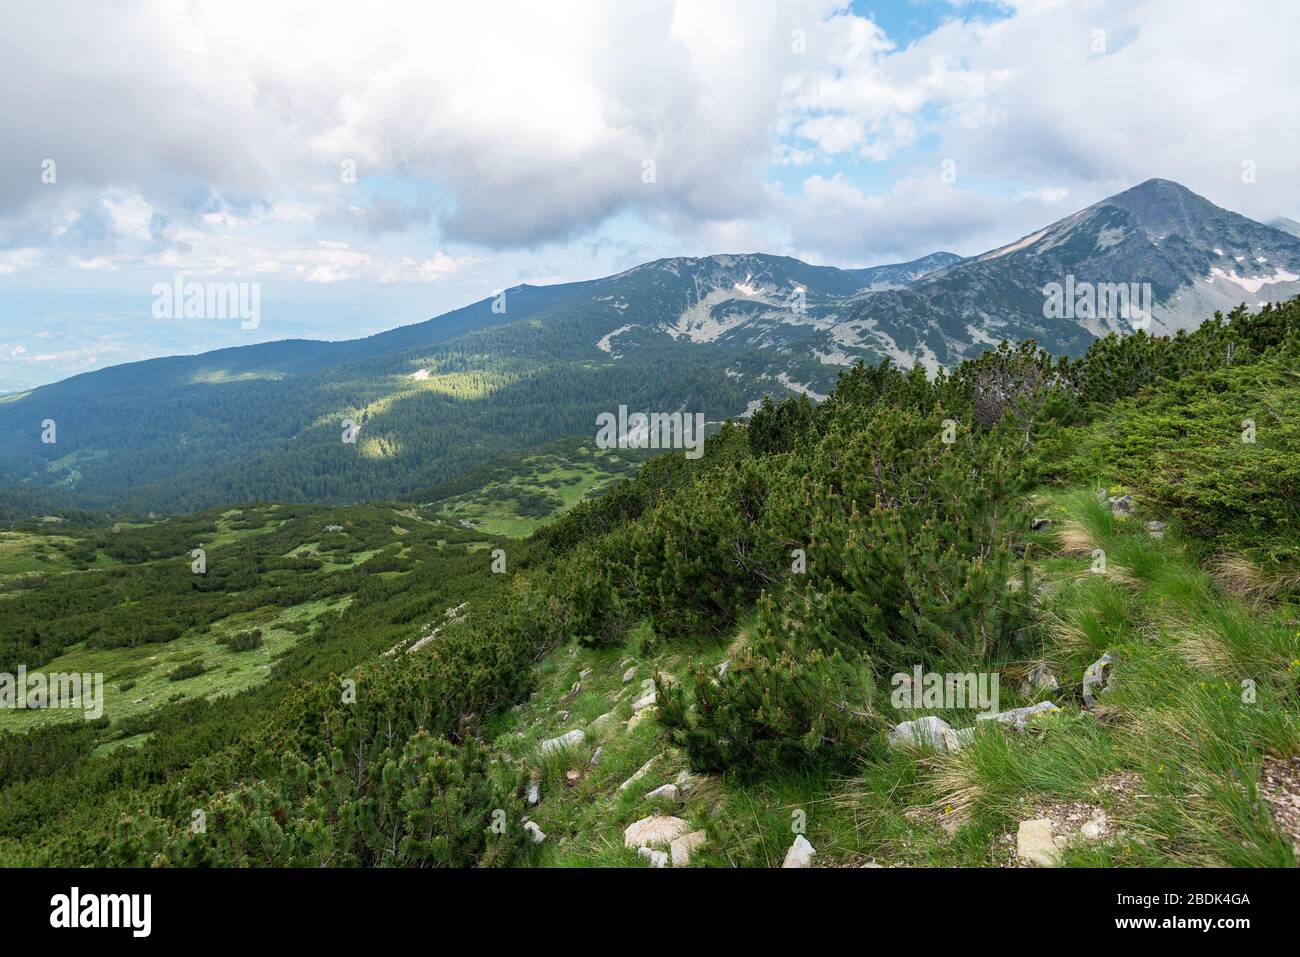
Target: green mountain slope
(992,522)
(712,335)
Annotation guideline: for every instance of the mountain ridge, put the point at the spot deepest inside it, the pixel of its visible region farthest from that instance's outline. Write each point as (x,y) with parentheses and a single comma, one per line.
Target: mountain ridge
(713,334)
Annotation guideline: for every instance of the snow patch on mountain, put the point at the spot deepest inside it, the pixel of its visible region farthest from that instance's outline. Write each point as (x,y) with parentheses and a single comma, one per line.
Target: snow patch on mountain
(1252,283)
(979,336)
(784,379)
(604,343)
(835,357)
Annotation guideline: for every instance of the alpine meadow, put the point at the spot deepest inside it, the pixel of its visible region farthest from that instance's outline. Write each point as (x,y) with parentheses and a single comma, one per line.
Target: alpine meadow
(950,544)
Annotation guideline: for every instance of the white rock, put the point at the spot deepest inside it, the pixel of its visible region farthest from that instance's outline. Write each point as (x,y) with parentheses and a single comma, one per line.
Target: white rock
(644,770)
(534,792)
(682,848)
(656,858)
(583,673)
(1040,678)
(931,731)
(1035,844)
(629,674)
(597,755)
(668,791)
(657,830)
(535,832)
(637,718)
(647,701)
(800,854)
(602,725)
(1096,828)
(1018,717)
(570,740)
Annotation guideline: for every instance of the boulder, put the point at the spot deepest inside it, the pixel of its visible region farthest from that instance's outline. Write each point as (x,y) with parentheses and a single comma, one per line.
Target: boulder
(1156,529)
(1018,717)
(629,675)
(668,791)
(657,830)
(1039,679)
(656,858)
(570,740)
(603,725)
(800,854)
(1035,844)
(928,731)
(1120,504)
(682,848)
(645,701)
(597,755)
(644,770)
(1096,827)
(534,832)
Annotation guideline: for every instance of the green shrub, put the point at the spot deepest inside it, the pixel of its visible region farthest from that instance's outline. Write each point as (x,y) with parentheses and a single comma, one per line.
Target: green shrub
(791,698)
(242,640)
(191,669)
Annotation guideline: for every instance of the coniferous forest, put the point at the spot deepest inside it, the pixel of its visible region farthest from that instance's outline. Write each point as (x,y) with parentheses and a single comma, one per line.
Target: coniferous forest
(713,642)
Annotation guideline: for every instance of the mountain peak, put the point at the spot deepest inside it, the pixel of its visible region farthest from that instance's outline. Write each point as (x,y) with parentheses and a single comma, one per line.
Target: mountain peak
(1161,207)
(1156,185)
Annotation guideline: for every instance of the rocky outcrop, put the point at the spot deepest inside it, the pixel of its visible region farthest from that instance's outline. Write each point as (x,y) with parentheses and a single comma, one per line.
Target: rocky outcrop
(657,830)
(924,732)
(800,854)
(570,740)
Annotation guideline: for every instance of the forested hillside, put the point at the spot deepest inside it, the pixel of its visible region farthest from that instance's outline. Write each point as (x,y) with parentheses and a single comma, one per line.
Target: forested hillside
(406,410)
(696,666)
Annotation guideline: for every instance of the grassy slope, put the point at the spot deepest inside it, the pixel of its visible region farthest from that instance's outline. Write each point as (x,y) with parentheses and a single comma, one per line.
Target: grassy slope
(1173,756)
(520,493)
(137,679)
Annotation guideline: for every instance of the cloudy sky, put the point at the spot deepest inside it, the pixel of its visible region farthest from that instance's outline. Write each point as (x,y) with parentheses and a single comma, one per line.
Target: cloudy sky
(371,165)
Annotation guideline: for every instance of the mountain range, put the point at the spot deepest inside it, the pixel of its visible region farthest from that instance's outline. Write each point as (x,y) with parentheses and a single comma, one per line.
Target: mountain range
(711,334)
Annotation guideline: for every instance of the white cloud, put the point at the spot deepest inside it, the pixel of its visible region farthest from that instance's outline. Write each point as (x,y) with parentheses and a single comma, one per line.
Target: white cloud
(213,134)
